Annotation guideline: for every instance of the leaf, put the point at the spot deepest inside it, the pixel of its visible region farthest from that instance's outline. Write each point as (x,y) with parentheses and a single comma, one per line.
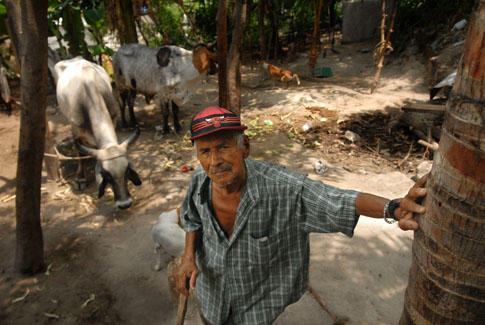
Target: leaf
(91,298)
(94,16)
(96,50)
(15,300)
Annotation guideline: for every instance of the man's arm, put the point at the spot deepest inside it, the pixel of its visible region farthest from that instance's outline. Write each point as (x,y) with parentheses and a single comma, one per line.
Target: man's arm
(188,269)
(373,206)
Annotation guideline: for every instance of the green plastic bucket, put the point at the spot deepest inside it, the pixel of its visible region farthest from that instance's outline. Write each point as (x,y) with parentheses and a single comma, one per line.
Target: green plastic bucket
(323,72)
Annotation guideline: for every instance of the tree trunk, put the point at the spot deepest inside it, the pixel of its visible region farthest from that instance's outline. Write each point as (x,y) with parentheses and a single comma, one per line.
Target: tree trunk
(129,26)
(446,280)
(222,52)
(273,12)
(13,11)
(234,56)
(385,43)
(29,255)
(317,6)
(262,33)
(120,17)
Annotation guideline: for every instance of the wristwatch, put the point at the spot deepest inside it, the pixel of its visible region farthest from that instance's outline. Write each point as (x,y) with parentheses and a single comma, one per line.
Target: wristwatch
(389,209)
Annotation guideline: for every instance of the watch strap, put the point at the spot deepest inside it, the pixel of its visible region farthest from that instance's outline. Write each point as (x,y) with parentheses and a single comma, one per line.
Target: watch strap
(389,210)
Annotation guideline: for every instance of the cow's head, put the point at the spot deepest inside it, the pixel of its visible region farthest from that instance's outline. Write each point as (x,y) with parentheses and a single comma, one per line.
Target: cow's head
(113,167)
(204,60)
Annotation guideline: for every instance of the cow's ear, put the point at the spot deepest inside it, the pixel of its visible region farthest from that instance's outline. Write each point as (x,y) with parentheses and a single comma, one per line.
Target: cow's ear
(163,56)
(133,175)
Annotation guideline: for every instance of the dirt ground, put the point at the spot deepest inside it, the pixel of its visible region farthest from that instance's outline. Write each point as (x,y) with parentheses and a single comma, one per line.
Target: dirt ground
(99,259)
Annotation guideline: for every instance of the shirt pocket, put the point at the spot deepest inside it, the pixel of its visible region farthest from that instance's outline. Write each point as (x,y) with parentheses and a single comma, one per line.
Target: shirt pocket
(264,250)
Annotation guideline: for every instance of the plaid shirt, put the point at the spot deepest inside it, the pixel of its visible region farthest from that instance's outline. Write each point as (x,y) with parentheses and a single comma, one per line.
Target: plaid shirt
(251,278)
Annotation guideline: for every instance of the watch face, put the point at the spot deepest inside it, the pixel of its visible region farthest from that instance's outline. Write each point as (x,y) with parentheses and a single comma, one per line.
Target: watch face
(393,205)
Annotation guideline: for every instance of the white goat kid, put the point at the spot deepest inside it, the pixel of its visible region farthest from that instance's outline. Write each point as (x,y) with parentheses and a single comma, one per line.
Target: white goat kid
(168,236)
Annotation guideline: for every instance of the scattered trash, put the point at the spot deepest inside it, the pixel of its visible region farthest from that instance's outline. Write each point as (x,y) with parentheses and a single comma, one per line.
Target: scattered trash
(352,136)
(323,119)
(158,136)
(307,126)
(51,315)
(48,271)
(459,25)
(91,298)
(448,81)
(185,169)
(15,300)
(159,127)
(320,167)
(268,122)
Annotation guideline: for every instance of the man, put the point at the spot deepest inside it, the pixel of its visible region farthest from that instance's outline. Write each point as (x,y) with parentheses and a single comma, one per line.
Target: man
(247,224)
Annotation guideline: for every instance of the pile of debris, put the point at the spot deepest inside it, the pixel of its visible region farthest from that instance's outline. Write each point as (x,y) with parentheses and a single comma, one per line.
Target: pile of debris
(444,52)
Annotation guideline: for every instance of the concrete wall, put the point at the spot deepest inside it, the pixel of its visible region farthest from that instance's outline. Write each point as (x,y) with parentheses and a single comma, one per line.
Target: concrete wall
(361,19)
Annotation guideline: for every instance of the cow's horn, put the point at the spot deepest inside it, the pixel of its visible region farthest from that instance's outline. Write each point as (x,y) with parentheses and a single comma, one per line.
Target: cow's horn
(187,40)
(132,137)
(83,149)
(210,46)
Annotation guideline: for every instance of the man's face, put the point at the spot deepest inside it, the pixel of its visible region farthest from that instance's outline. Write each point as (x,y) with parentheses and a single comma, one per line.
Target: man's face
(222,158)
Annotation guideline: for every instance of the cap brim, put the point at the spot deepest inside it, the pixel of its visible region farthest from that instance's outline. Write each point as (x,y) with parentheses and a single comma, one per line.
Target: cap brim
(241,128)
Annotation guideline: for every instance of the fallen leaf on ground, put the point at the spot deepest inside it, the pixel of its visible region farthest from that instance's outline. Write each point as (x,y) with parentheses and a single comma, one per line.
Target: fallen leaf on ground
(15,300)
(51,315)
(91,298)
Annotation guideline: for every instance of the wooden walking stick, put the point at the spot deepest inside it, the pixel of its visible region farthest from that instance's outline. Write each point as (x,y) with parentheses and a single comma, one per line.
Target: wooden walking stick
(182,309)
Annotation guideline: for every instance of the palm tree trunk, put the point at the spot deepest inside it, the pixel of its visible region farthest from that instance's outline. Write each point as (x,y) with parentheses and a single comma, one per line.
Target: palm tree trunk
(447,277)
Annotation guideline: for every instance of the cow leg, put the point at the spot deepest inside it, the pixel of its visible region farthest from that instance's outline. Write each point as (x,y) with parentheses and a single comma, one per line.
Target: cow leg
(131,105)
(175,112)
(165,114)
(124,99)
(81,181)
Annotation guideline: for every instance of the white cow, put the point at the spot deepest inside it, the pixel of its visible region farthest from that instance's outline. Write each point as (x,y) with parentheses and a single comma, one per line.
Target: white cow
(85,97)
(167,73)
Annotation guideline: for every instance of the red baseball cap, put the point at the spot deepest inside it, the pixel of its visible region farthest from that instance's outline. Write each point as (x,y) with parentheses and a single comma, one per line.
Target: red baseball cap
(213,119)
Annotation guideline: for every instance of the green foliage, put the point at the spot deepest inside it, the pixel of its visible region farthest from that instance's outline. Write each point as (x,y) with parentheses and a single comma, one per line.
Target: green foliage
(205,19)
(68,15)
(169,19)
(3,16)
